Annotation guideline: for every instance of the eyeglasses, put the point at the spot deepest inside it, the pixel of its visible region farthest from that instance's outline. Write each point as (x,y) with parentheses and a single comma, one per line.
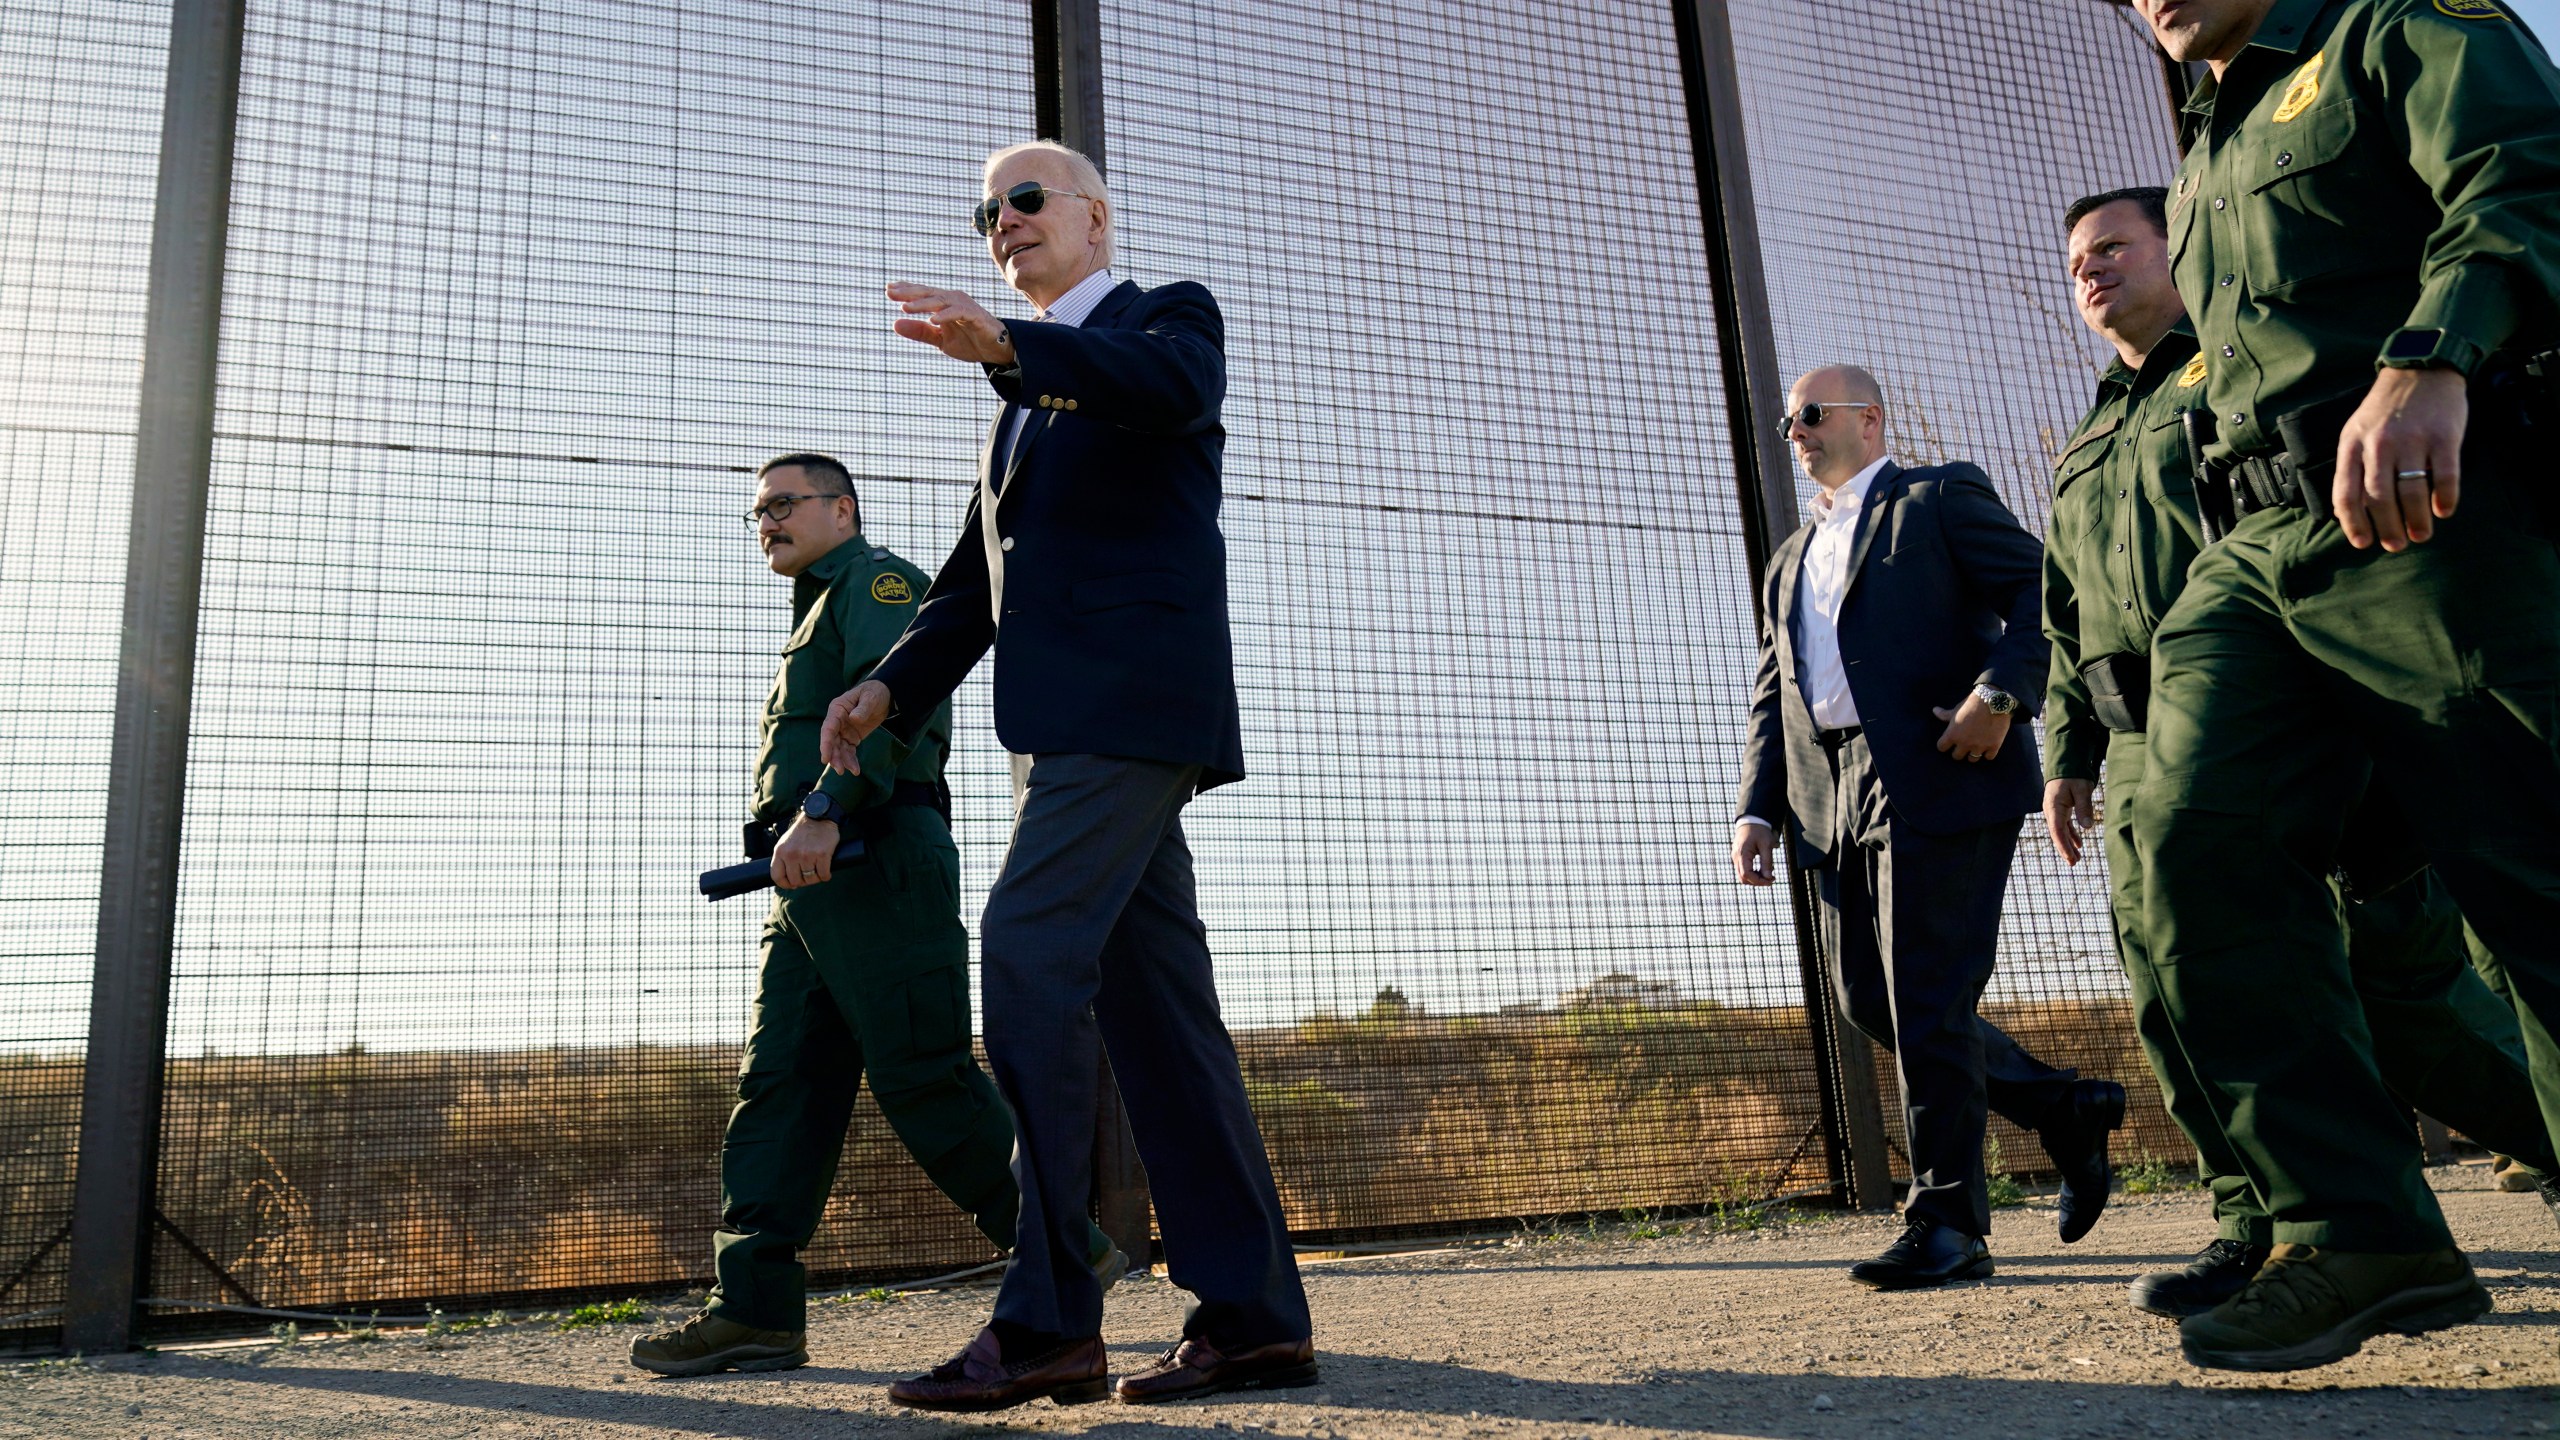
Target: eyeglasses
(1810,416)
(779,507)
(1026,198)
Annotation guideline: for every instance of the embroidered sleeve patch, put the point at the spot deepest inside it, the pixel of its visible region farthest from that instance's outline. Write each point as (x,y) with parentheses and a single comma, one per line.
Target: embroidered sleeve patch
(892,589)
(2472,10)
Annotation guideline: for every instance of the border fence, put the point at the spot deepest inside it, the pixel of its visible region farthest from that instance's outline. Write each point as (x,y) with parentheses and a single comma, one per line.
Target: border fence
(380,652)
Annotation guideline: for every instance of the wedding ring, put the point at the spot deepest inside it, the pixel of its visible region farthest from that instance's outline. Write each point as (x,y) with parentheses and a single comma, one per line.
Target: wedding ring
(2412,474)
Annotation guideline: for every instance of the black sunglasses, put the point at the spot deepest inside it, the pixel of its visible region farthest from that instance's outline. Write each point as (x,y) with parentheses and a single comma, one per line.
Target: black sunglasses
(1026,198)
(1810,416)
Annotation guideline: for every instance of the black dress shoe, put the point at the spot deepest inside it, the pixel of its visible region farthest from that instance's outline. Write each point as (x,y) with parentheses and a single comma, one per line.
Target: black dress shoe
(2221,1270)
(1929,1253)
(2076,1139)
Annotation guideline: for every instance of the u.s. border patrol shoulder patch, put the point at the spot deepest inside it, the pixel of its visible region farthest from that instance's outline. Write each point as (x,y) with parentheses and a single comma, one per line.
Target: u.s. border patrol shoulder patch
(892,589)
(2304,88)
(2472,10)
(2193,375)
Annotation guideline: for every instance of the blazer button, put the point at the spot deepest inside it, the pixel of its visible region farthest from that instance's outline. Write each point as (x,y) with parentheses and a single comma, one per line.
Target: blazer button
(1071,404)
(1046,402)
(1008,543)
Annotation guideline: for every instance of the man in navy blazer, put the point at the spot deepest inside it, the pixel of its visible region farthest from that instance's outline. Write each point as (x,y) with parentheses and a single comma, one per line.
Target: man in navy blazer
(1091,564)
(1902,639)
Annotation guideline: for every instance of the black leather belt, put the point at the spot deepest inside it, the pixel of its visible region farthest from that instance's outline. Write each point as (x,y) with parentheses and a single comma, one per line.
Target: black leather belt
(1834,739)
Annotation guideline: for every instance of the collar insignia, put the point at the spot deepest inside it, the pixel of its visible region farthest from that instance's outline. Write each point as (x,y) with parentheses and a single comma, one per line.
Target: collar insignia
(2193,375)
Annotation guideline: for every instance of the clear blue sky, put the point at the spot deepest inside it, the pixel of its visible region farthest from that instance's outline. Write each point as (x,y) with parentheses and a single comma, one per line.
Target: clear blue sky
(2543,16)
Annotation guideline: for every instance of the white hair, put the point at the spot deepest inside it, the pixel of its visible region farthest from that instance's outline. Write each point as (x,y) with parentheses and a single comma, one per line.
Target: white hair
(1081,172)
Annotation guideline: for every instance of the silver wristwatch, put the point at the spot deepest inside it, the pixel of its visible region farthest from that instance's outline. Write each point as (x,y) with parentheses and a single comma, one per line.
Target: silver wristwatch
(1996,700)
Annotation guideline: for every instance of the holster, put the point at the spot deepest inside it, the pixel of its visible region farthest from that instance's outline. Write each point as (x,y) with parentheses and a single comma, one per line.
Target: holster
(2119,690)
(2212,480)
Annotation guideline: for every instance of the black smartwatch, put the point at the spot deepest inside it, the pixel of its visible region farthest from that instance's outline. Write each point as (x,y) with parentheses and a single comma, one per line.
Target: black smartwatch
(822,806)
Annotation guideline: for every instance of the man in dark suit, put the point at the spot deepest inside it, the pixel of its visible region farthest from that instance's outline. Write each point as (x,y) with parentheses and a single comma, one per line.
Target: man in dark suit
(1902,639)
(1092,565)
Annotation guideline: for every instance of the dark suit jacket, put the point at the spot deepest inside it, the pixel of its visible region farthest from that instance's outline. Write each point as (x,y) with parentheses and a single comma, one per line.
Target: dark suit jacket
(1104,555)
(1944,594)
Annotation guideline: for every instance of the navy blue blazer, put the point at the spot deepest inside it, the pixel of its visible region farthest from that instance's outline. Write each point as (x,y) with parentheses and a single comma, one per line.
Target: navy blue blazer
(1104,555)
(1945,592)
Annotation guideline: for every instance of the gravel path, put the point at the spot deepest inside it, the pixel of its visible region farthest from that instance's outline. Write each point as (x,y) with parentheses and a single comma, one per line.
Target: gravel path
(1732,1334)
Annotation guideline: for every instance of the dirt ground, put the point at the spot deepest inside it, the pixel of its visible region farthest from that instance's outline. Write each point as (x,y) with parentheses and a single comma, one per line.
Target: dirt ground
(1620,1333)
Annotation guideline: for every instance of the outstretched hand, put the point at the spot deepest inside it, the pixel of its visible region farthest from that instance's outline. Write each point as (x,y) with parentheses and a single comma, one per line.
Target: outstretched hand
(851,717)
(951,322)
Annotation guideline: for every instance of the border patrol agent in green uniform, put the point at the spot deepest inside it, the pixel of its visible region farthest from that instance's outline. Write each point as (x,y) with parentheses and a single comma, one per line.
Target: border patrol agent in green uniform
(2123,532)
(2362,229)
(866,970)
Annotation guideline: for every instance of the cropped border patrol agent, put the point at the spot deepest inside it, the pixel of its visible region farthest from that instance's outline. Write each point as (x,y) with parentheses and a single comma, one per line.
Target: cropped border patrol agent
(2123,533)
(866,967)
(2363,230)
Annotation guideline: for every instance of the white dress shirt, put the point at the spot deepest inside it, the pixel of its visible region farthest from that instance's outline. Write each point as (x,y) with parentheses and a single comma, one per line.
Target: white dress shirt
(1820,584)
(1072,309)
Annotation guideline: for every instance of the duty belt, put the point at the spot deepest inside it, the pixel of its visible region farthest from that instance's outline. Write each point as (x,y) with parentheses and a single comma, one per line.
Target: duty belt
(2268,482)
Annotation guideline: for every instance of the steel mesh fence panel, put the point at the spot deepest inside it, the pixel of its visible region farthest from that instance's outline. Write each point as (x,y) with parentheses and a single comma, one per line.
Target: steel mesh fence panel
(79,140)
(1910,212)
(518,297)
(1474,923)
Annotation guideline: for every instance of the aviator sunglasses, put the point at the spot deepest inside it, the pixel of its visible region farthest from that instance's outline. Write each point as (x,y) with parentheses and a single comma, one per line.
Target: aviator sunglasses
(1026,198)
(1810,415)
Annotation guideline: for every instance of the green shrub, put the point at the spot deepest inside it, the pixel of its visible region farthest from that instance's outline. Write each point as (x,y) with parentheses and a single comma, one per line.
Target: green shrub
(620,1312)
(2006,1192)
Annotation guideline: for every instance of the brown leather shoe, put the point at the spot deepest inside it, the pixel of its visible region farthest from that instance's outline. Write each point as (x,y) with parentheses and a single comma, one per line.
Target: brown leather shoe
(978,1379)
(1195,1367)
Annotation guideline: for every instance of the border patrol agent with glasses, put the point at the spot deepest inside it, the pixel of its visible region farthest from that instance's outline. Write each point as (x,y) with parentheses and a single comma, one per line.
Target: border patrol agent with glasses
(866,972)
(2124,531)
(2363,232)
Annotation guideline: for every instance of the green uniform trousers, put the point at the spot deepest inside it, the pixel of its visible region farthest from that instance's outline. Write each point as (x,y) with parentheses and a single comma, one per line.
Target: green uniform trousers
(867,974)
(2291,667)
(2443,1041)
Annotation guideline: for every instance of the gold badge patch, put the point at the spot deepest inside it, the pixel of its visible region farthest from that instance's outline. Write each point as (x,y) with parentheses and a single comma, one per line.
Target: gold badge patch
(2305,88)
(893,589)
(2193,375)
(2471,10)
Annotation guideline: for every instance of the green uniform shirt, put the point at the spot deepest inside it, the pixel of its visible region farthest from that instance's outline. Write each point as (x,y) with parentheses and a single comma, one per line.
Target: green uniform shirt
(847,610)
(2123,531)
(2364,172)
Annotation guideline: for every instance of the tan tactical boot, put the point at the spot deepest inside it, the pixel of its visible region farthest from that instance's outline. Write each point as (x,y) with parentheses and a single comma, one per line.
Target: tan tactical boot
(2310,1306)
(706,1343)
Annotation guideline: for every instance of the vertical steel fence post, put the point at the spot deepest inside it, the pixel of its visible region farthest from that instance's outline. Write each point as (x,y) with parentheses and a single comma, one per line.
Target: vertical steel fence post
(1066,62)
(1853,1117)
(112,1199)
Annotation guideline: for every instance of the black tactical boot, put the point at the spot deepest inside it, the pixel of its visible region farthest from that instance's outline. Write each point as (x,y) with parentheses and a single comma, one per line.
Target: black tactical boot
(2222,1270)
